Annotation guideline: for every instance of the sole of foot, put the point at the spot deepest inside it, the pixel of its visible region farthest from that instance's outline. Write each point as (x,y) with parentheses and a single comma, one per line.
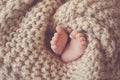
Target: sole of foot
(59,40)
(75,48)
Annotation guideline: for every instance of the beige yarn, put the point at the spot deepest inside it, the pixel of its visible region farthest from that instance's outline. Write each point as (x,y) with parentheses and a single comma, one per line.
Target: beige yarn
(23,53)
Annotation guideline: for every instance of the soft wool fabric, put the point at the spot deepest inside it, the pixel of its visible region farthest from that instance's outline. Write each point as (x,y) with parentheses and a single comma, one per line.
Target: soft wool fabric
(23,52)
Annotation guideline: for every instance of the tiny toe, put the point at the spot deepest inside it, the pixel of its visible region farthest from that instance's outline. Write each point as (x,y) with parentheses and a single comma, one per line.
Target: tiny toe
(54,38)
(73,34)
(56,35)
(82,39)
(80,35)
(59,28)
(53,42)
(53,46)
(83,43)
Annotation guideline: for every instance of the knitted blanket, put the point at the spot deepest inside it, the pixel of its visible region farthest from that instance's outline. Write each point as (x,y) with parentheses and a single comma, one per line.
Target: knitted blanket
(26,27)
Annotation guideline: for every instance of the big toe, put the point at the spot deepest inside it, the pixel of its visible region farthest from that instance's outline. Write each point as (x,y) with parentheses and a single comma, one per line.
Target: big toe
(59,28)
(73,34)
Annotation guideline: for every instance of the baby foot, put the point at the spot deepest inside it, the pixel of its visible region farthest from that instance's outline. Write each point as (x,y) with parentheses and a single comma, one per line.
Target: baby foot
(59,40)
(75,48)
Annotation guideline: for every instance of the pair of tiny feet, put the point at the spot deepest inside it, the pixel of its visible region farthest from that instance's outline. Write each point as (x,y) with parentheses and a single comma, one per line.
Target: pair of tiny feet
(68,51)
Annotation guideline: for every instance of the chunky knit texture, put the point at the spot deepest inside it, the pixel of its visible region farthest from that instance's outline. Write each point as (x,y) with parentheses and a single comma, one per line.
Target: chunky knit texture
(23,52)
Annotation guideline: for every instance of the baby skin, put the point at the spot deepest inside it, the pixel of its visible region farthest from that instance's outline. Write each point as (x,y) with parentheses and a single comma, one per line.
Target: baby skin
(68,51)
